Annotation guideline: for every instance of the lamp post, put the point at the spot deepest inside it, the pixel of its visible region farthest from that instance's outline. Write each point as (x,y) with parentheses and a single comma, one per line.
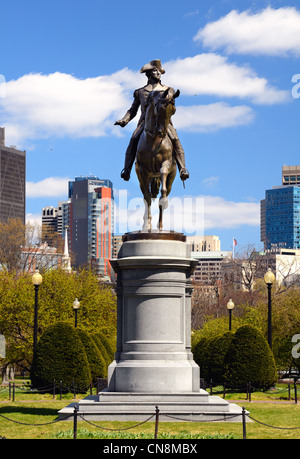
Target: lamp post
(230,306)
(269,279)
(76,306)
(37,279)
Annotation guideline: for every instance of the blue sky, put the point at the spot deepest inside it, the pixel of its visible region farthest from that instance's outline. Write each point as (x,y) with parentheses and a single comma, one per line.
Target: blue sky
(71,67)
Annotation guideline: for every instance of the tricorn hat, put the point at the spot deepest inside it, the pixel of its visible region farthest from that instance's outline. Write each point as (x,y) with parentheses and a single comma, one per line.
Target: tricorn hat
(155,64)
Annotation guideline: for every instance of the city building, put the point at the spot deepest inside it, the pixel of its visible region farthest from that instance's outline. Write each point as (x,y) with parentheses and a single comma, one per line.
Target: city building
(207,250)
(285,264)
(52,220)
(49,221)
(280,218)
(117,242)
(12,181)
(208,272)
(91,221)
(204,243)
(43,257)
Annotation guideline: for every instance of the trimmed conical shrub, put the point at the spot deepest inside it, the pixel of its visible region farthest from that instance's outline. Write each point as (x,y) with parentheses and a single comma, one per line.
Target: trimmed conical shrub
(216,355)
(108,346)
(249,359)
(61,356)
(210,354)
(103,351)
(201,356)
(95,359)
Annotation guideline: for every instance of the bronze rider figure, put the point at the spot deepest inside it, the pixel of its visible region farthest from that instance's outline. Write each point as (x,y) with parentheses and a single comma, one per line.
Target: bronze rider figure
(153,71)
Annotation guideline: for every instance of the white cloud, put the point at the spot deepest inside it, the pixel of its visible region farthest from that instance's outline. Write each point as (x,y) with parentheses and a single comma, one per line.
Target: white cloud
(212,74)
(220,213)
(34,219)
(210,181)
(270,32)
(206,118)
(39,106)
(189,214)
(48,187)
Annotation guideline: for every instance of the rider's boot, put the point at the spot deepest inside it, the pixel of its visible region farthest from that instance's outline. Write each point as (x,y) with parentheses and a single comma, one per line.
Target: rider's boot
(180,159)
(129,160)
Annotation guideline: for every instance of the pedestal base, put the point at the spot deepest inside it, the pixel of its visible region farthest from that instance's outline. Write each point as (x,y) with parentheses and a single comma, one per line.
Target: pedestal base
(125,406)
(154,364)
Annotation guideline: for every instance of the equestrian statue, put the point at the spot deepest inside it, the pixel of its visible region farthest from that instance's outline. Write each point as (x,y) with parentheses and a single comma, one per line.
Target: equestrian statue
(154,145)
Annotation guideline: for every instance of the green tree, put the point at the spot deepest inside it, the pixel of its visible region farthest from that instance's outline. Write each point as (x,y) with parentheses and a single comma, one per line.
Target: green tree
(16,317)
(56,296)
(285,324)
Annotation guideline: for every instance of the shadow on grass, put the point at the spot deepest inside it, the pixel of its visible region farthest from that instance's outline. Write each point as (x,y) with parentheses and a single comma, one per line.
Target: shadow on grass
(40,411)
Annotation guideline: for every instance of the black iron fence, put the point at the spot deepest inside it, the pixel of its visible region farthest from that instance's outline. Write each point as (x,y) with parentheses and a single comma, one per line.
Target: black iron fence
(58,388)
(155,416)
(248,389)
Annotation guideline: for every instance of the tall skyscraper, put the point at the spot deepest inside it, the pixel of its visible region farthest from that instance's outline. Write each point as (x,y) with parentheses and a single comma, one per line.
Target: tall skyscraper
(91,217)
(280,218)
(291,175)
(12,181)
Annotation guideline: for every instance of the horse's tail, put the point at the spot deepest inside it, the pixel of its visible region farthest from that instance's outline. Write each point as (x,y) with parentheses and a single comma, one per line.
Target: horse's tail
(154,187)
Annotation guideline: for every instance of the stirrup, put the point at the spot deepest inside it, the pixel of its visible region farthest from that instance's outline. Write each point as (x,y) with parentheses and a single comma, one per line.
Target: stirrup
(184,174)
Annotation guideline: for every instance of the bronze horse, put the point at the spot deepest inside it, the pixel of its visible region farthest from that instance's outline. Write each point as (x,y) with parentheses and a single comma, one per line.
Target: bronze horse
(155,163)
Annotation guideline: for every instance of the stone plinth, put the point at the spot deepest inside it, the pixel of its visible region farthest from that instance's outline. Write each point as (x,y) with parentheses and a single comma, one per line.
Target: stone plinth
(154,316)
(153,363)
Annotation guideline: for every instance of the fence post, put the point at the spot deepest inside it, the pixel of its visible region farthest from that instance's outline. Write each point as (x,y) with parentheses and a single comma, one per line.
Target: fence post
(75,422)
(224,390)
(14,389)
(60,389)
(289,391)
(244,423)
(9,390)
(156,421)
(295,388)
(211,387)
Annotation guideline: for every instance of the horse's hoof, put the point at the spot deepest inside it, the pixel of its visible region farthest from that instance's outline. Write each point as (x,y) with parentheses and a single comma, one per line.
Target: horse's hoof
(125,174)
(163,203)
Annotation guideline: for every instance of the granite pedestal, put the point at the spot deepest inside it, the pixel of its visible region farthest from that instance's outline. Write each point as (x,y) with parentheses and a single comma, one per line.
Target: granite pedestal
(153,363)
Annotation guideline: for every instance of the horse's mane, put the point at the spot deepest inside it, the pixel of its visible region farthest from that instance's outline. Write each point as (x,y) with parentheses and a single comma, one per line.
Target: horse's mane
(151,96)
(149,99)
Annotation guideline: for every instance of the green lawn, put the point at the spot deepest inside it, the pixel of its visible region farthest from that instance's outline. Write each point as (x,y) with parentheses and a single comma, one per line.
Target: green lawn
(35,420)
(33,416)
